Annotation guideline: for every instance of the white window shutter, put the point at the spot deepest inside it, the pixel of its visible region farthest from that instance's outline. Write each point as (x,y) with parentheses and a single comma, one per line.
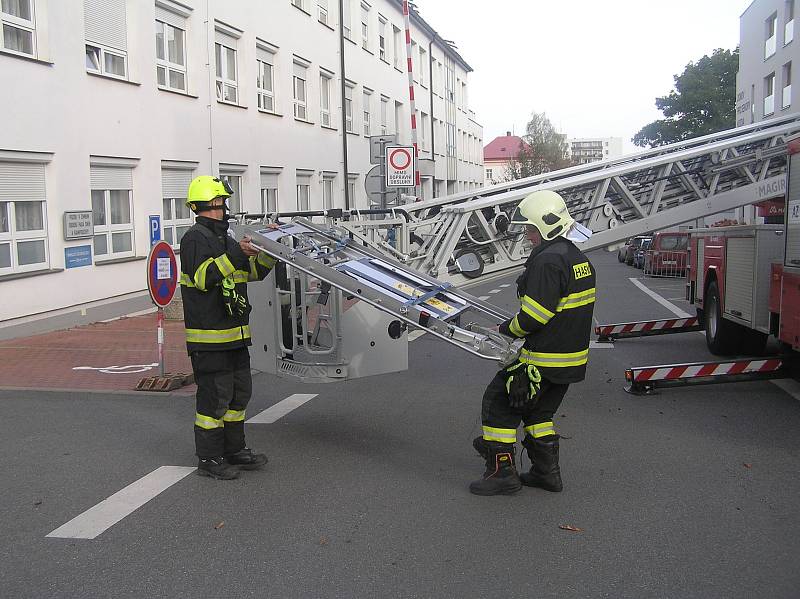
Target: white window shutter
(106,23)
(170,18)
(21,182)
(109,177)
(175,182)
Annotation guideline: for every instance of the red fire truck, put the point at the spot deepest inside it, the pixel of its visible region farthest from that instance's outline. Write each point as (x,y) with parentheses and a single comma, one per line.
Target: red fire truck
(745,280)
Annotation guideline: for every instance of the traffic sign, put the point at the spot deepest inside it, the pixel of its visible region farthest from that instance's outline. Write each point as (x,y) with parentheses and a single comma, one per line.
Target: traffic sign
(155,229)
(400,166)
(162,274)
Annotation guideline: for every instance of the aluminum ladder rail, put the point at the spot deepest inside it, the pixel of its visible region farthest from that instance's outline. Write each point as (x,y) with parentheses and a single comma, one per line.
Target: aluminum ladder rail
(617,199)
(327,254)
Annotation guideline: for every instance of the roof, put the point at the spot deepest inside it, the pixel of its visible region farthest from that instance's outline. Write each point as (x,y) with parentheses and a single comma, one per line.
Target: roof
(504,147)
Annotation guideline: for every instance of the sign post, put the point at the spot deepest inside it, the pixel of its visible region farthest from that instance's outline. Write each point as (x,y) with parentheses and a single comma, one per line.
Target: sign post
(162,281)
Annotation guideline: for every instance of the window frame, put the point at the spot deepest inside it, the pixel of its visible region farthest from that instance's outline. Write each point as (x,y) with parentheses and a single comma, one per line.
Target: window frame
(108,229)
(298,104)
(263,93)
(236,186)
(328,199)
(382,21)
(303,186)
(349,116)
(222,80)
(365,26)
(27,25)
(174,223)
(13,238)
(102,52)
(325,98)
(366,100)
(265,199)
(384,114)
(168,65)
(322,12)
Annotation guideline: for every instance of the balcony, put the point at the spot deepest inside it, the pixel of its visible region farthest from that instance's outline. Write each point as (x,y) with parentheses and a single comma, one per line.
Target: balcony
(770,46)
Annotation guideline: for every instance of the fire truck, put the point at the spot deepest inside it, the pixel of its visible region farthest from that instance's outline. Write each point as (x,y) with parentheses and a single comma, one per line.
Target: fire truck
(745,280)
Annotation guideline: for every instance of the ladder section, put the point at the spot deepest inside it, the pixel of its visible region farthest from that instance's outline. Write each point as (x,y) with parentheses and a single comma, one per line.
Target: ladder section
(617,199)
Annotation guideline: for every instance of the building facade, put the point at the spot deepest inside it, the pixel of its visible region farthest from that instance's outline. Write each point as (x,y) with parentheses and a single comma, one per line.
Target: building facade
(593,149)
(497,156)
(768,54)
(117,104)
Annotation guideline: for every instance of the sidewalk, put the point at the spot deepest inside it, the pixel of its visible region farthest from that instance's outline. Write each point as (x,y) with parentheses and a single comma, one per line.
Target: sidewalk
(105,356)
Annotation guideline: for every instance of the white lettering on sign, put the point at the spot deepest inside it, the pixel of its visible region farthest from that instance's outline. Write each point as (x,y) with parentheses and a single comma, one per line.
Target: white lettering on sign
(78,225)
(794,211)
(770,190)
(163,270)
(400,166)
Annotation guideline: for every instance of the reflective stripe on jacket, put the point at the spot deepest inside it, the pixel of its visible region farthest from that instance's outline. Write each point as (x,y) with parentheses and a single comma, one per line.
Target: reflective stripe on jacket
(209,255)
(556,294)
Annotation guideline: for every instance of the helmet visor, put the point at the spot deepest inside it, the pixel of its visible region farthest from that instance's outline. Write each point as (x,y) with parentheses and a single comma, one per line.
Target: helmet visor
(225,185)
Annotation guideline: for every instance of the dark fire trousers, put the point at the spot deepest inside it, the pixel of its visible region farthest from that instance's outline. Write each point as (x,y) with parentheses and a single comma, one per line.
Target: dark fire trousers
(224,387)
(537,417)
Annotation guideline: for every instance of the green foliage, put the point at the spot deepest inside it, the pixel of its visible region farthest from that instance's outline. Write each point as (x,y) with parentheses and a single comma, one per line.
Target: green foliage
(543,149)
(702,102)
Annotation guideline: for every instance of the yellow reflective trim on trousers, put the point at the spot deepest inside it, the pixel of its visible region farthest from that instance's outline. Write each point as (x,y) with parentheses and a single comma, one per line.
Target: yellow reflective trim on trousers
(541,429)
(217,336)
(200,274)
(207,422)
(186,281)
(576,300)
(224,264)
(501,435)
(266,260)
(516,329)
(234,416)
(554,360)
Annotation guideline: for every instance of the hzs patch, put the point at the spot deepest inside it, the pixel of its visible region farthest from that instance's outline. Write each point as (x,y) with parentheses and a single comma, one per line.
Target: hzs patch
(582,270)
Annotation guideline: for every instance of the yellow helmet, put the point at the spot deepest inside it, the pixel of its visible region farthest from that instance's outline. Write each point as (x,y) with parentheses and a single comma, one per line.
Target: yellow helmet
(545,210)
(205,188)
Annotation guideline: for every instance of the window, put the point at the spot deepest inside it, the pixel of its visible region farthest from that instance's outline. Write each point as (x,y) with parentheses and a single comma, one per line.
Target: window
(423,130)
(352,178)
(17,30)
(322,11)
(325,99)
(303,192)
(384,113)
(300,97)
(348,108)
(269,191)
(489,174)
(300,4)
(382,38)
(235,181)
(788,28)
(113,223)
(176,215)
(398,120)
(769,94)
(414,61)
(365,26)
(366,108)
(346,19)
(227,86)
(327,192)
(786,99)
(170,55)
(398,60)
(106,37)
(265,78)
(23,217)
(423,67)
(770,26)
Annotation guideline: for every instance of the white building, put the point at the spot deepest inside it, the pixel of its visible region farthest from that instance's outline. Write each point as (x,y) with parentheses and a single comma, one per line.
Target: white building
(583,150)
(116,104)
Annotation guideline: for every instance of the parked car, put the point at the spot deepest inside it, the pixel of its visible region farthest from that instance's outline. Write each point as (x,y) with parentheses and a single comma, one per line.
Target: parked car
(667,255)
(638,255)
(634,245)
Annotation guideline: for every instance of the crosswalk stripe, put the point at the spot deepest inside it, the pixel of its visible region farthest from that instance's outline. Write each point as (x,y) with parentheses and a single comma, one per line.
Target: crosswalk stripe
(281,408)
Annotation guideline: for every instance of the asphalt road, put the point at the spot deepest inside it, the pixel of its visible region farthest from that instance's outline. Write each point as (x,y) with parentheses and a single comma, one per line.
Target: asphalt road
(691,492)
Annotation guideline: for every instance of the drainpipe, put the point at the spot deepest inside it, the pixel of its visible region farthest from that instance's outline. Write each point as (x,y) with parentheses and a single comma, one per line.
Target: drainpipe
(344,116)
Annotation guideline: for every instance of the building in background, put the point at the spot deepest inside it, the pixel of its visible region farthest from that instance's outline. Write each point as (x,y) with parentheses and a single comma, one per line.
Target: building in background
(117,104)
(768,54)
(583,150)
(497,155)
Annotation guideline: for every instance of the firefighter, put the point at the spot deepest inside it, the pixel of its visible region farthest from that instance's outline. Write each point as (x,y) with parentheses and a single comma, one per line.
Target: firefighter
(215,271)
(556,294)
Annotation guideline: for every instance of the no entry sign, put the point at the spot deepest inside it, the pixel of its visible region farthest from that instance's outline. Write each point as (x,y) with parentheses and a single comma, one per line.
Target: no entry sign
(400,166)
(162,274)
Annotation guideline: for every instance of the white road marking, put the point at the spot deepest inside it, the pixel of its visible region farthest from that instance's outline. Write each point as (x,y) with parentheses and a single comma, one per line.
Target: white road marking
(661,300)
(133,368)
(598,345)
(108,512)
(281,408)
(791,387)
(415,334)
(493,291)
(483,298)
(504,285)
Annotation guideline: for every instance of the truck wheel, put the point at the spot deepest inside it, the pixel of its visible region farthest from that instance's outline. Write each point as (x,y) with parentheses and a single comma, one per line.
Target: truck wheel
(722,336)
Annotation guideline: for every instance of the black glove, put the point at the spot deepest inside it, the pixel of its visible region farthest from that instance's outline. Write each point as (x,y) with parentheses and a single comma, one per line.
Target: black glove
(522,384)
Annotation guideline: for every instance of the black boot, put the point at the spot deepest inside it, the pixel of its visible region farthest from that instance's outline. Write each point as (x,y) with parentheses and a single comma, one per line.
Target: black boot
(545,471)
(216,468)
(246,459)
(501,476)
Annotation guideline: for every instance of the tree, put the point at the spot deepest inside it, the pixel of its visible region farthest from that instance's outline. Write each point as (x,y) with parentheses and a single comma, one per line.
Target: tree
(702,102)
(543,149)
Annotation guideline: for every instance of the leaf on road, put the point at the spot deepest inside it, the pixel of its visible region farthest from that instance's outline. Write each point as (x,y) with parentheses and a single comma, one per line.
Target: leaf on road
(746,465)
(570,528)
(219,525)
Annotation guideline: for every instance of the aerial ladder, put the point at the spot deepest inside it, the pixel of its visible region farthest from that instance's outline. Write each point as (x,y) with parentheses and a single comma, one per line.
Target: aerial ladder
(351,286)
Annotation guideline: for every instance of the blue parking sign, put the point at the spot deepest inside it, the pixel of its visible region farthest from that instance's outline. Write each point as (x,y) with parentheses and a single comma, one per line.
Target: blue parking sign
(155,229)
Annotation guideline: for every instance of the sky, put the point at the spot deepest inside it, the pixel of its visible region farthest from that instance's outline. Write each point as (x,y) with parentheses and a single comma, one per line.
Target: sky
(594,67)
